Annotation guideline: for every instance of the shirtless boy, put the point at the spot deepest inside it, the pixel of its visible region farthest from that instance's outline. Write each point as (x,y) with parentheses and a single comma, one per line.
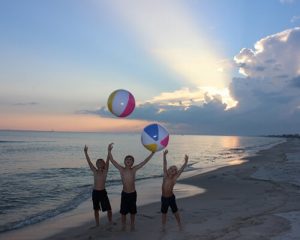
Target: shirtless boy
(128,196)
(168,198)
(99,194)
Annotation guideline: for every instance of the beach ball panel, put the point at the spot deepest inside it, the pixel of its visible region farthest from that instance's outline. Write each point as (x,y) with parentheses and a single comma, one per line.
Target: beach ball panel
(120,102)
(146,139)
(110,101)
(162,132)
(151,147)
(165,141)
(129,107)
(152,131)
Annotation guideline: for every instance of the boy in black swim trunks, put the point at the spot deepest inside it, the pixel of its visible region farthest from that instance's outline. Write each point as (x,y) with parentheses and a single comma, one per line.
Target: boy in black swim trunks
(168,198)
(128,196)
(99,194)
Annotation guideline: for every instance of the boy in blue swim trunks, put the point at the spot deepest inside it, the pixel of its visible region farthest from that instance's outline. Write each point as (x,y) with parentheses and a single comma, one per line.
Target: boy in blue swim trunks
(99,194)
(128,196)
(168,198)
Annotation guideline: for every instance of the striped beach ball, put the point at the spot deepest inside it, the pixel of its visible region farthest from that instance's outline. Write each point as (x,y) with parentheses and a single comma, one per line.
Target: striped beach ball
(155,137)
(121,103)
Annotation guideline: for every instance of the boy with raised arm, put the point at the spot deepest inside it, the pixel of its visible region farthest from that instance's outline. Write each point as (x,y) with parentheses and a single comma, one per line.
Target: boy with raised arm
(99,195)
(128,196)
(168,198)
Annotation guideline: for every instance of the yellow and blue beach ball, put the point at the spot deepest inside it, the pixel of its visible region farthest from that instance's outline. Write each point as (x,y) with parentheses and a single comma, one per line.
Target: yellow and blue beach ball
(155,137)
(121,103)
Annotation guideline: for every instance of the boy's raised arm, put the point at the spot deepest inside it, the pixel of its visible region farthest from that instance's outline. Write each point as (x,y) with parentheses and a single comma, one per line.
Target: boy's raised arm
(165,161)
(110,147)
(113,161)
(140,165)
(92,167)
(186,158)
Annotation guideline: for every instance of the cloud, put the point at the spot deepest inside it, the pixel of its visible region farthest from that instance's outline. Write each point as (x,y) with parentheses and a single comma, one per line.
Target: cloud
(295,19)
(272,56)
(268,95)
(26,104)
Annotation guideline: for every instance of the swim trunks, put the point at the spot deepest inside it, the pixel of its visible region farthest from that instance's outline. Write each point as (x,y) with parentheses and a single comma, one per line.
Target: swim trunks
(167,202)
(100,197)
(128,203)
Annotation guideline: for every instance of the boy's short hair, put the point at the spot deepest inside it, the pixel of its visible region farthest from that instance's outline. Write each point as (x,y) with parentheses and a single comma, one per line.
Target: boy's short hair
(100,160)
(173,166)
(129,156)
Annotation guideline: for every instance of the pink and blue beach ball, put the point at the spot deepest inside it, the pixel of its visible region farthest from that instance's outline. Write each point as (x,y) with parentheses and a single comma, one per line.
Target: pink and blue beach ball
(155,137)
(121,103)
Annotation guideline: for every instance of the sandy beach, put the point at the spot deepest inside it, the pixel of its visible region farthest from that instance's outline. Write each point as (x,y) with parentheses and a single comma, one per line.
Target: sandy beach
(258,199)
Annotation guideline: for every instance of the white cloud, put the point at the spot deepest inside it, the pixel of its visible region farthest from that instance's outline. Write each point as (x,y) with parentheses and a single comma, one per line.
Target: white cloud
(272,57)
(186,97)
(295,19)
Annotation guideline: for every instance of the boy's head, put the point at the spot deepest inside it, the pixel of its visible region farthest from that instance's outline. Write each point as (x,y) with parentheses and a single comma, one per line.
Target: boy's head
(100,164)
(128,161)
(172,170)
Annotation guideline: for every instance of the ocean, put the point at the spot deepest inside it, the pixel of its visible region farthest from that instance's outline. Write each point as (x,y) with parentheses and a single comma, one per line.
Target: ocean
(44,174)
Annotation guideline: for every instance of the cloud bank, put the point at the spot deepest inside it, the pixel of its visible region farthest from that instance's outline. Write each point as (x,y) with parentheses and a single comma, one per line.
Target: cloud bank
(268,95)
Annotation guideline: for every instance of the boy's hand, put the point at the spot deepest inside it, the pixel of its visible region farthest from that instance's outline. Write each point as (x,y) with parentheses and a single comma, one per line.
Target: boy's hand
(166,152)
(110,146)
(85,148)
(186,158)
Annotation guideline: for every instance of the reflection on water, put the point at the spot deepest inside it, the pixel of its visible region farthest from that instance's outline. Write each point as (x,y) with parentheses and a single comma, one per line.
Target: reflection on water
(230,141)
(236,162)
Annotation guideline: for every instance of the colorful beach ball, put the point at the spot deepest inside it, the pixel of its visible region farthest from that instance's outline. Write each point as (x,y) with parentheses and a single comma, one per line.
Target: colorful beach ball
(121,103)
(155,137)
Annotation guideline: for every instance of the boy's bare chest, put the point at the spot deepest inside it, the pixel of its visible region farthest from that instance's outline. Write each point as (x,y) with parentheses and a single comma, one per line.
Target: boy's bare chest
(128,174)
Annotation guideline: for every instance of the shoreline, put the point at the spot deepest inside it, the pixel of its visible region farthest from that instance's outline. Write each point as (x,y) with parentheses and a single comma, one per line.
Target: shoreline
(235,205)
(82,215)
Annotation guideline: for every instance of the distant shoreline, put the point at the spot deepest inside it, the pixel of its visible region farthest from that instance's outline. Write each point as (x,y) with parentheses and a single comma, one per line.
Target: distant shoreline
(296,135)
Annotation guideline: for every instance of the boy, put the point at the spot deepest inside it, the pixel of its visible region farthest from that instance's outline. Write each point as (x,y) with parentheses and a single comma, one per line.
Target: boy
(168,197)
(128,196)
(99,194)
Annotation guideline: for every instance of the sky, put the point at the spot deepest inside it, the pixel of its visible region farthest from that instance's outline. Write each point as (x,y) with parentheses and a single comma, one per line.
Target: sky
(195,66)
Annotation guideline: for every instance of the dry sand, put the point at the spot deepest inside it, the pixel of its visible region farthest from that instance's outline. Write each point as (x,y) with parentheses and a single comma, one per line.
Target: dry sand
(256,200)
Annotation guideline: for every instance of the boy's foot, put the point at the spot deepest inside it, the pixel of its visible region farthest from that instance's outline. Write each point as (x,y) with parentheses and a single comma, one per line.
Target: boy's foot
(132,228)
(180,228)
(96,226)
(123,228)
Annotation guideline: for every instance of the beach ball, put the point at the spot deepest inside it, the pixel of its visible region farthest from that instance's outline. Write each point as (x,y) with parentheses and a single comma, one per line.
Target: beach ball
(121,103)
(155,137)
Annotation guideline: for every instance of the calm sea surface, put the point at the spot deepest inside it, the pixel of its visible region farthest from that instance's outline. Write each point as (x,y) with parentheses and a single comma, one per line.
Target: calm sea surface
(44,174)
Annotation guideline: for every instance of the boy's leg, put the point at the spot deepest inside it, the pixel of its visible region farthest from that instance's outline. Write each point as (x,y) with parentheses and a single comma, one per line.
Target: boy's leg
(105,205)
(132,221)
(163,219)
(96,213)
(164,209)
(177,216)
(123,218)
(109,216)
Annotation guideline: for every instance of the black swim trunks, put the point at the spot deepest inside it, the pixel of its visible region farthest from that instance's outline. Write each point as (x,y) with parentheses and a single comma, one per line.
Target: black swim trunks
(128,203)
(168,201)
(100,197)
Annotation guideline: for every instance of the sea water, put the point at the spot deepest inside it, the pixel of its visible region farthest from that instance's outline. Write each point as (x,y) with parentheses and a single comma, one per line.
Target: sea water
(44,174)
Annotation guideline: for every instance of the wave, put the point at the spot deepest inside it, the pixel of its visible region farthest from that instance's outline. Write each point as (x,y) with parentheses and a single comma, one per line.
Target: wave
(83,192)
(43,215)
